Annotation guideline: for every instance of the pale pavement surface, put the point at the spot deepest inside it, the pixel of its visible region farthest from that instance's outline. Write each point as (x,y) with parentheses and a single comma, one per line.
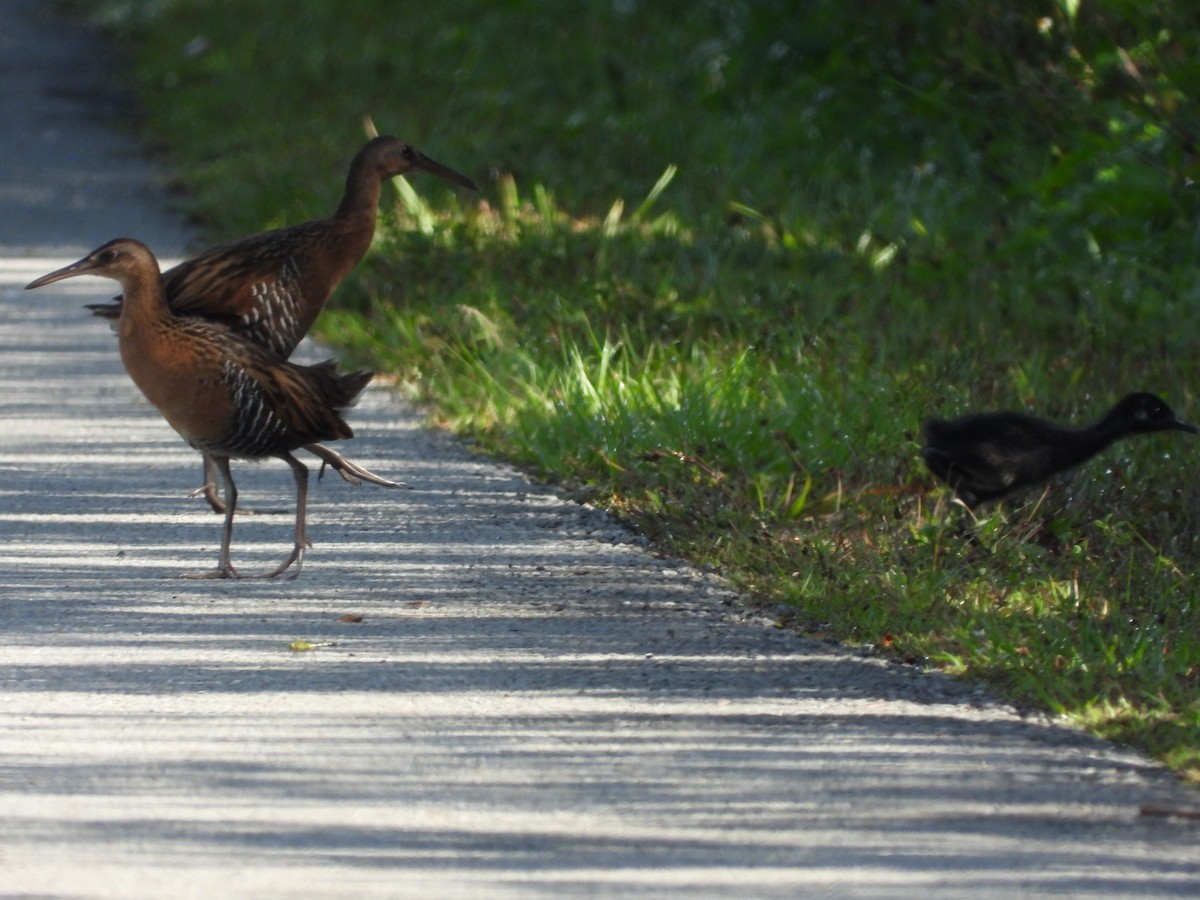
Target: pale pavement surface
(531,706)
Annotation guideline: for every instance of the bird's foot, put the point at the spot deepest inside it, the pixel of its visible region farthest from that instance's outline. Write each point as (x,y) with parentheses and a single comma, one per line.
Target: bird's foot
(209,493)
(223,571)
(357,482)
(208,490)
(296,557)
(226,570)
(350,471)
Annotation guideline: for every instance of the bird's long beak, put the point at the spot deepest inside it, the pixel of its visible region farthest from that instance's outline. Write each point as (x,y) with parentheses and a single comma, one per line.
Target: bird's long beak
(83,267)
(425,164)
(1186,426)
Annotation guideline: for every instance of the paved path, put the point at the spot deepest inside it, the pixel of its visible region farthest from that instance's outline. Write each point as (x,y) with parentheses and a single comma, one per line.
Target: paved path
(531,705)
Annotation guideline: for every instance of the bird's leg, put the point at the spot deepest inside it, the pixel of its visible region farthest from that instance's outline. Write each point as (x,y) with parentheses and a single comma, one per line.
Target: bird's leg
(209,491)
(225,567)
(209,488)
(301,542)
(350,471)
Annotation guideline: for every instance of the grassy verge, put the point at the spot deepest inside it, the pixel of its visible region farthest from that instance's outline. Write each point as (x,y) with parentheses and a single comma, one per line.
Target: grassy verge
(728,256)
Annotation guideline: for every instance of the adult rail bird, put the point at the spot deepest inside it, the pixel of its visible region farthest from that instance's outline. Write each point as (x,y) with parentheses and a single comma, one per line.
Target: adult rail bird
(986,456)
(270,287)
(226,395)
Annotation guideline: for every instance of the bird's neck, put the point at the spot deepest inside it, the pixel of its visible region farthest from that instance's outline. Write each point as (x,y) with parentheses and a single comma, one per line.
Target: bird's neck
(354,222)
(145,335)
(360,201)
(1091,440)
(144,302)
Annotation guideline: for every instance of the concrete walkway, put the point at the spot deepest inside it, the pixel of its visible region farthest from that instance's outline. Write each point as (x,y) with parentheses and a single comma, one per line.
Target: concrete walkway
(531,704)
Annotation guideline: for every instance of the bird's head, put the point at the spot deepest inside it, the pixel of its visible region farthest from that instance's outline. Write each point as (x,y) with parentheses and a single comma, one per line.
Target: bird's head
(1148,412)
(390,156)
(121,259)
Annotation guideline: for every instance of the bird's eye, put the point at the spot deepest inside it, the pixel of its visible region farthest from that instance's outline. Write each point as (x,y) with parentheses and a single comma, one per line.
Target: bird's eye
(107,256)
(408,153)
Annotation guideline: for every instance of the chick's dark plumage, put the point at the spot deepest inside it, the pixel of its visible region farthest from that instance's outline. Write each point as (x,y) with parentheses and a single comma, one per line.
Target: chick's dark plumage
(986,456)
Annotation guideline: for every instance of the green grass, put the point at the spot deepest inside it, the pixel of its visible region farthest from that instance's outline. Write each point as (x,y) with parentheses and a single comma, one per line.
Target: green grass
(728,256)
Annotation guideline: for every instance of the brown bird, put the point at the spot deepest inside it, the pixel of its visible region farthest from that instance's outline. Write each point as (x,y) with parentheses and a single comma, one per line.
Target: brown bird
(227,396)
(270,287)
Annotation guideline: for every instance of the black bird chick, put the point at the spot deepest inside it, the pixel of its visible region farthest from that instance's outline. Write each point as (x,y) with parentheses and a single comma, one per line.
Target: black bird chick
(988,455)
